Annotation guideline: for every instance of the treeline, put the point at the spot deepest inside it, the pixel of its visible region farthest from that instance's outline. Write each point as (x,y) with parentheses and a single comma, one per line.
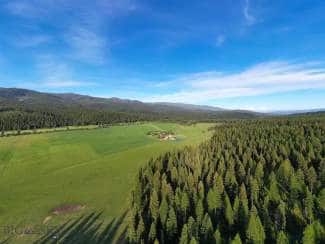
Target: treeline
(22,118)
(51,118)
(253,182)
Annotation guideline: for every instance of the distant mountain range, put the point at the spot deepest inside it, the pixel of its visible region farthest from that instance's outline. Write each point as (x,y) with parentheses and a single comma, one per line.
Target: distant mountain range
(301,111)
(13,98)
(29,100)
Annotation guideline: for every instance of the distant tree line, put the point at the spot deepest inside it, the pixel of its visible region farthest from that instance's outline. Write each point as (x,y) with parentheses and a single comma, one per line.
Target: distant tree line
(253,182)
(33,117)
(28,120)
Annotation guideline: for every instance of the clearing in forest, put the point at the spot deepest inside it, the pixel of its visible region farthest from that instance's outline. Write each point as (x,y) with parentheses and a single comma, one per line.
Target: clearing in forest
(92,168)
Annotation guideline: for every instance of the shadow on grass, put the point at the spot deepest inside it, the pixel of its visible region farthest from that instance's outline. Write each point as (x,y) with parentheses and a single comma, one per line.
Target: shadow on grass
(86,229)
(5,241)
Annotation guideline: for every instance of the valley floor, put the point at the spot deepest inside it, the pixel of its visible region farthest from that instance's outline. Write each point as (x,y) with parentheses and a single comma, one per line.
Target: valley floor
(48,179)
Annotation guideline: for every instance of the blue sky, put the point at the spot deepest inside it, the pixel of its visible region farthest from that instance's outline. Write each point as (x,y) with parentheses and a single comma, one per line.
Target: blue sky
(250,54)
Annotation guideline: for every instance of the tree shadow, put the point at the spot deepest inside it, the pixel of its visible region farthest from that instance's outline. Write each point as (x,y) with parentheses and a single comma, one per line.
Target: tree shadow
(86,229)
(5,241)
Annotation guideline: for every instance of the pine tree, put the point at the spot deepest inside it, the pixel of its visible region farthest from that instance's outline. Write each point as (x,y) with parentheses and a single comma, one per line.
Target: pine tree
(192,227)
(213,201)
(193,241)
(236,240)
(137,195)
(178,199)
(322,171)
(321,201)
(185,204)
(309,206)
(311,178)
(255,231)
(284,173)
(319,230)
(254,190)
(156,181)
(174,175)
(154,205)
(295,187)
(280,221)
(282,238)
(274,194)
(206,230)
(184,236)
(152,232)
(236,207)
(199,211)
(132,234)
(309,235)
(201,190)
(229,214)
(298,215)
(243,210)
(259,173)
(241,172)
(140,230)
(217,237)
(163,211)
(230,181)
(219,185)
(171,225)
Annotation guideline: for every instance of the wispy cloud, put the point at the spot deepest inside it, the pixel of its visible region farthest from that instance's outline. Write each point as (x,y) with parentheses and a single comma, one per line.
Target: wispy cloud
(250,19)
(55,73)
(87,45)
(43,8)
(80,30)
(263,78)
(23,9)
(33,8)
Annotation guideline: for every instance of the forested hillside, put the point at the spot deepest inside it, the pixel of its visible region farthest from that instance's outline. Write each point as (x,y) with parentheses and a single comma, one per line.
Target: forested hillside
(25,109)
(253,182)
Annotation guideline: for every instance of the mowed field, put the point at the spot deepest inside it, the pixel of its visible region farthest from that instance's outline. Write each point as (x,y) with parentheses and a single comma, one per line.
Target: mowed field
(94,169)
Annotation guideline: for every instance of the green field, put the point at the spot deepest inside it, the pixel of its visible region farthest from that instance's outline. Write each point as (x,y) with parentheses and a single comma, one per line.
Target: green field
(91,168)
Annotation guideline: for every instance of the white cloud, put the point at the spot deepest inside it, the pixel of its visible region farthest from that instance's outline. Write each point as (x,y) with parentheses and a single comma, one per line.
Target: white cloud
(80,31)
(46,8)
(220,40)
(250,19)
(55,73)
(263,78)
(87,45)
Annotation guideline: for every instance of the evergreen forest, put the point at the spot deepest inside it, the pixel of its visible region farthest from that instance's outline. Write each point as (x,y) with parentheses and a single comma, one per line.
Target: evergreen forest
(256,181)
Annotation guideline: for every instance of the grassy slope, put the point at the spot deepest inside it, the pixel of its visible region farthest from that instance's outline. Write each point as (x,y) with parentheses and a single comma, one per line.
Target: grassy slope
(95,168)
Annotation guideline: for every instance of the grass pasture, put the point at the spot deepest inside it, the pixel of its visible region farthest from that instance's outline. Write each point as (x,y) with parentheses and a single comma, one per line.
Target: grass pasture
(94,169)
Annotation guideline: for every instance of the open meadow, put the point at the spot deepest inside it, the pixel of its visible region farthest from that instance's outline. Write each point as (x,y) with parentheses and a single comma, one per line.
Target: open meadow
(46,179)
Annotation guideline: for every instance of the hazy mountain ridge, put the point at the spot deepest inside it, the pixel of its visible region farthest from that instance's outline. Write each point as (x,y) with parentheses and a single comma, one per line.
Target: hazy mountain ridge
(191,106)
(298,111)
(29,99)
